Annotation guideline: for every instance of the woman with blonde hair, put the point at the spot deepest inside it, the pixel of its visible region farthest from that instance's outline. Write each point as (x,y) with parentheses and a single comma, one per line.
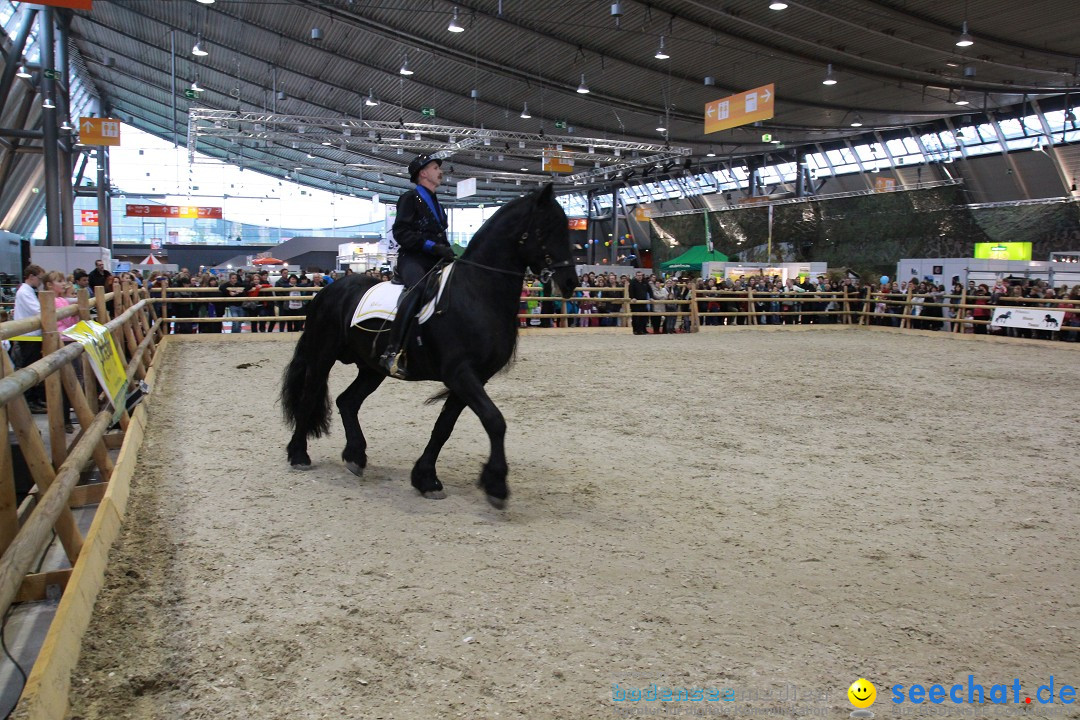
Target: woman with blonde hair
(56,283)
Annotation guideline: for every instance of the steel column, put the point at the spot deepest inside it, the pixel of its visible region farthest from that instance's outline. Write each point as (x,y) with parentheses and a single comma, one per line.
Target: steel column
(67,195)
(54,232)
(15,52)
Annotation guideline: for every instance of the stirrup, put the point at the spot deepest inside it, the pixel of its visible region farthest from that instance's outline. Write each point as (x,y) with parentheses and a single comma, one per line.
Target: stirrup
(394,365)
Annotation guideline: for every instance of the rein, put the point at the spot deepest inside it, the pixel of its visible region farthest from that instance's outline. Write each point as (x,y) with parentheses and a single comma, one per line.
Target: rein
(545,274)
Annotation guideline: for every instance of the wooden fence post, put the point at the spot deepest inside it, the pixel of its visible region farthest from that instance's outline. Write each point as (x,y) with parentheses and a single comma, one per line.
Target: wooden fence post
(695,321)
(9,510)
(961,311)
(54,392)
(905,323)
(89,380)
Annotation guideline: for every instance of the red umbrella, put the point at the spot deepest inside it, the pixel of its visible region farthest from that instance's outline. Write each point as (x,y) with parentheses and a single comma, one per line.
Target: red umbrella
(267,261)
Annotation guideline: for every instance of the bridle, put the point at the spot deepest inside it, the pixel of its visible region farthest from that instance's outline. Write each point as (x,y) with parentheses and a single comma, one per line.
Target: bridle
(545,274)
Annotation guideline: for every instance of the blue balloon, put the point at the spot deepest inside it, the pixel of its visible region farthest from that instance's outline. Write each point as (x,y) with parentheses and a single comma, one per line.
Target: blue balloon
(884,279)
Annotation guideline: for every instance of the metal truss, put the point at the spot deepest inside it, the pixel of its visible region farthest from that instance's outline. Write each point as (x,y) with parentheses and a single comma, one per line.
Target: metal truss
(376,145)
(815,198)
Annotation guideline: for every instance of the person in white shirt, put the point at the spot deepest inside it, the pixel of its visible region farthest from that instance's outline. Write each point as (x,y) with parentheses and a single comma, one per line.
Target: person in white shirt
(29,351)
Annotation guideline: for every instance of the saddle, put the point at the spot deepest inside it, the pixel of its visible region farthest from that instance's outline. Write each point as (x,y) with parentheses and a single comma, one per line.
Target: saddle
(380,302)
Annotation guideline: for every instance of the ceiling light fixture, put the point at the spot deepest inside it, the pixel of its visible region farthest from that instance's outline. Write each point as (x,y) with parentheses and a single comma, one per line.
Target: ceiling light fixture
(525,112)
(198,51)
(65,125)
(370,101)
(455,26)
(778,5)
(965,39)
(583,88)
(21,72)
(205,2)
(48,104)
(857,121)
(830,79)
(961,99)
(661,53)
(195,86)
(661,126)
(711,153)
(405,67)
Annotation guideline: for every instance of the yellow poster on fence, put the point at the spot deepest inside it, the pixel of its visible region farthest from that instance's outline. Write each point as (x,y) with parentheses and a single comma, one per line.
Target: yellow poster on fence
(98,344)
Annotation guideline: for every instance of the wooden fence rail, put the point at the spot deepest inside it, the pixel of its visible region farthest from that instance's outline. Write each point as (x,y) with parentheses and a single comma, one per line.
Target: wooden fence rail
(848,309)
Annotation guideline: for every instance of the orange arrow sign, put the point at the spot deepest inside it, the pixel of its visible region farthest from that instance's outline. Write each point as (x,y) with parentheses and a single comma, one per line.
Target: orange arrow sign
(99,131)
(742,109)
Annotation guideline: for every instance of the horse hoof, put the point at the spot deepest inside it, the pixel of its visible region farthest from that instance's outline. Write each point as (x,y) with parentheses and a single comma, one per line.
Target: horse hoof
(496,502)
(301,466)
(434,495)
(354,468)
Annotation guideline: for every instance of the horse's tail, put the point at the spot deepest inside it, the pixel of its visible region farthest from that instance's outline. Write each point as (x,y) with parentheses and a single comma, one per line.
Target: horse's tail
(305,390)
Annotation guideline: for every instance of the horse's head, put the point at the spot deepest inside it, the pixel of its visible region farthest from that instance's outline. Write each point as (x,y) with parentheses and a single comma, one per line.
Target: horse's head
(545,246)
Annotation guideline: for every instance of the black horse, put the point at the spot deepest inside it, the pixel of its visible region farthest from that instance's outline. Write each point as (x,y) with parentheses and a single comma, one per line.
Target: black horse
(469,340)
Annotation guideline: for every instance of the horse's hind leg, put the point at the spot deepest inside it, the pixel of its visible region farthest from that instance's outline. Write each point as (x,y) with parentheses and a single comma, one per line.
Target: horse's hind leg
(424,478)
(348,403)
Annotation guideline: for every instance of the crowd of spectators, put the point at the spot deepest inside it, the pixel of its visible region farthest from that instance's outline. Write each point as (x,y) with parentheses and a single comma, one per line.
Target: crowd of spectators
(657,305)
(663,303)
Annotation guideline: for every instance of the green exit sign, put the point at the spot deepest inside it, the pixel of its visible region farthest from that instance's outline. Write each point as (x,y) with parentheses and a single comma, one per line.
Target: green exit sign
(766,137)
(53,74)
(560,124)
(191,94)
(427,112)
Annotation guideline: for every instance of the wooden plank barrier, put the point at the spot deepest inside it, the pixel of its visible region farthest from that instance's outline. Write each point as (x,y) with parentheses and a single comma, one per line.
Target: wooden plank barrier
(26,531)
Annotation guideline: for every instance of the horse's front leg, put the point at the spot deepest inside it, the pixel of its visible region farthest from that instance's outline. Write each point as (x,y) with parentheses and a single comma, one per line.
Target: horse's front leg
(493,476)
(424,478)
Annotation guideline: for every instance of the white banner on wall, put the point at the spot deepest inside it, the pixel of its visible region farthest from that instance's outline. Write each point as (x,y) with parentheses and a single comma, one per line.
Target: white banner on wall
(1029,318)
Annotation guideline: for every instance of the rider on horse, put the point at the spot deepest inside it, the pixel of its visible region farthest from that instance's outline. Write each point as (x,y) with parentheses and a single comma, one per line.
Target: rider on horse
(420,231)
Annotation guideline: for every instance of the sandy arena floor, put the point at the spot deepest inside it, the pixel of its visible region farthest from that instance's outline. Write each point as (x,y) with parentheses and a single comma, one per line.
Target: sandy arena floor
(750,510)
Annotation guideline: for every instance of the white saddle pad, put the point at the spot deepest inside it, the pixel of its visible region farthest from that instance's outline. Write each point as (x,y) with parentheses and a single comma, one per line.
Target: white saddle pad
(380,302)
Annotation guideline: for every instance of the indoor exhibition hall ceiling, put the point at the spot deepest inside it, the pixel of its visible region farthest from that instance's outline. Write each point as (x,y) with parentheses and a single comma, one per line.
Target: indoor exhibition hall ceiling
(289,77)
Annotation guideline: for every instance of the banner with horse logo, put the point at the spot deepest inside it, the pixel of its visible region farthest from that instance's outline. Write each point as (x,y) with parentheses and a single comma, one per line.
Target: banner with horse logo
(1028,318)
(98,343)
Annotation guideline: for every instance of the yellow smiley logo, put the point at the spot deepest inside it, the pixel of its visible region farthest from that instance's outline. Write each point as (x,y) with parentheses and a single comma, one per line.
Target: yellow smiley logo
(862,693)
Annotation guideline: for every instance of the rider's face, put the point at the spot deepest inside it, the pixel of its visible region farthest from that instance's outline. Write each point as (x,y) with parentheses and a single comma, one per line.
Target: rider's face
(432,172)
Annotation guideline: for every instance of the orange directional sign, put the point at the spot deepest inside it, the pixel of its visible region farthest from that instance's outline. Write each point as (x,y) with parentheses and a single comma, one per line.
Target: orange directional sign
(99,131)
(741,109)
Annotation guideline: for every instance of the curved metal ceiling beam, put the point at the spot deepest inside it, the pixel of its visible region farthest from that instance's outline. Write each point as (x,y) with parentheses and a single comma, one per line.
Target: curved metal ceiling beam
(916,77)
(988,38)
(921,46)
(527,76)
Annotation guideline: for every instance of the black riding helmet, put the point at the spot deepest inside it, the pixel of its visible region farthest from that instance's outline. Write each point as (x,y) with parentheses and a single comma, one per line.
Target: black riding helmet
(419,163)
